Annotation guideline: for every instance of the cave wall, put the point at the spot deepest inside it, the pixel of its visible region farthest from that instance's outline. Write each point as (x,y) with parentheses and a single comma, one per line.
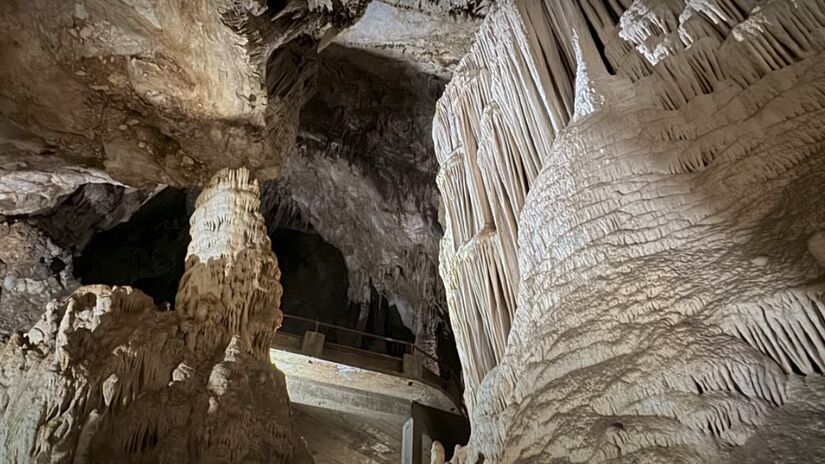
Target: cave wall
(669,296)
(362,178)
(38,247)
(34,272)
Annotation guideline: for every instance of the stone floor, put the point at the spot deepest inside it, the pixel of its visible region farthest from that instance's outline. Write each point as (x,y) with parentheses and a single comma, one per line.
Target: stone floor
(335,437)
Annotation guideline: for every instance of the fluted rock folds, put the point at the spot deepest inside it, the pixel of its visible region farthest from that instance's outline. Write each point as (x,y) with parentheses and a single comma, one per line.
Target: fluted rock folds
(669,294)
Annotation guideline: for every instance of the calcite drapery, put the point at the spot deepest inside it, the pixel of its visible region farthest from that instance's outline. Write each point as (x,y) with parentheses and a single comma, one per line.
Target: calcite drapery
(497,117)
(670,301)
(107,377)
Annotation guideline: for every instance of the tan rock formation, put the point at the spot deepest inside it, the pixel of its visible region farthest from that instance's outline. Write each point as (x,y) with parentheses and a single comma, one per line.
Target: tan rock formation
(230,285)
(670,301)
(107,377)
(157,91)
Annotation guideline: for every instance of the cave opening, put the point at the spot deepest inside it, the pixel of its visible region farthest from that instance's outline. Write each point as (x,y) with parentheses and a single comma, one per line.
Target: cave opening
(274,6)
(146,252)
(313,275)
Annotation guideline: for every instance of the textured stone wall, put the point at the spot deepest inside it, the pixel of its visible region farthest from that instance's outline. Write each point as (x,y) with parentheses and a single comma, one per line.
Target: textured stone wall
(156,92)
(33,271)
(362,177)
(36,262)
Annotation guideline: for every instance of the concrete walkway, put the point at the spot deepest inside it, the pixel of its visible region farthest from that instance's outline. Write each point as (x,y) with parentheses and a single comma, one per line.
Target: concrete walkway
(351,405)
(356,381)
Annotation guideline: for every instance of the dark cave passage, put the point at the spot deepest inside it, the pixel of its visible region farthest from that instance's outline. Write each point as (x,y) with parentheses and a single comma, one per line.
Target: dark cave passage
(146,252)
(315,281)
(314,277)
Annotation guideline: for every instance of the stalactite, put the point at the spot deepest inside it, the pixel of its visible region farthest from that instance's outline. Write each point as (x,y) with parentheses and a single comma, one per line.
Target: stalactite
(481,272)
(789,328)
(489,135)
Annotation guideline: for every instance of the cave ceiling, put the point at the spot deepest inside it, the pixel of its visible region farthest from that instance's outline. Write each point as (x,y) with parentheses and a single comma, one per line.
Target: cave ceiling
(332,102)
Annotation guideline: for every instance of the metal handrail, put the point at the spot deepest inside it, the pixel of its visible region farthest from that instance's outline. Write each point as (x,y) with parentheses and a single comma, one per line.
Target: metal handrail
(413,347)
(347,329)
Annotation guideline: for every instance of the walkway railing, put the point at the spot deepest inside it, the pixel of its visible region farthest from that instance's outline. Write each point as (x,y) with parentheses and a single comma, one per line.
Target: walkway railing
(409,347)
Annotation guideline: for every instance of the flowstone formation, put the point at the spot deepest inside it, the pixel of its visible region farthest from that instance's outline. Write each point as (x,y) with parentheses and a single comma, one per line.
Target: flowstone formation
(105,376)
(634,231)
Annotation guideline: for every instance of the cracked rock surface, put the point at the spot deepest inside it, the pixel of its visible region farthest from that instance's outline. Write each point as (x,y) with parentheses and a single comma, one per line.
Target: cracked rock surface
(34,272)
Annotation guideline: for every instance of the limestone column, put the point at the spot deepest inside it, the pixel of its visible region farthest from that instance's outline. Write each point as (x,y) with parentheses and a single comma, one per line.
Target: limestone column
(105,376)
(231,282)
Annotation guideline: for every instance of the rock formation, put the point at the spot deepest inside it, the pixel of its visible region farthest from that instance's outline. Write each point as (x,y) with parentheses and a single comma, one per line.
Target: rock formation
(633,251)
(670,302)
(489,139)
(141,94)
(430,36)
(34,272)
(154,92)
(158,92)
(36,248)
(230,286)
(105,376)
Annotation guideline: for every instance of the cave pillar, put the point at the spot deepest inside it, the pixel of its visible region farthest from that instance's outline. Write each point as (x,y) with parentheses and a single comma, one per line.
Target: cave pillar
(106,376)
(231,282)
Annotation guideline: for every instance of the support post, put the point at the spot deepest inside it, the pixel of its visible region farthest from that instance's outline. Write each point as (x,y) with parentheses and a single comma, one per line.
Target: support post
(427,425)
(411,443)
(313,344)
(413,367)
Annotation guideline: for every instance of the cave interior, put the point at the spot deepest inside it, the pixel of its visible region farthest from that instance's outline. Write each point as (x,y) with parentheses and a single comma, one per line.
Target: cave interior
(382,231)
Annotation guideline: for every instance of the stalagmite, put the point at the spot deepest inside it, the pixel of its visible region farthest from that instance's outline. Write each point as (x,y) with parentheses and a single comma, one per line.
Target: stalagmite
(105,376)
(437,453)
(667,268)
(230,285)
